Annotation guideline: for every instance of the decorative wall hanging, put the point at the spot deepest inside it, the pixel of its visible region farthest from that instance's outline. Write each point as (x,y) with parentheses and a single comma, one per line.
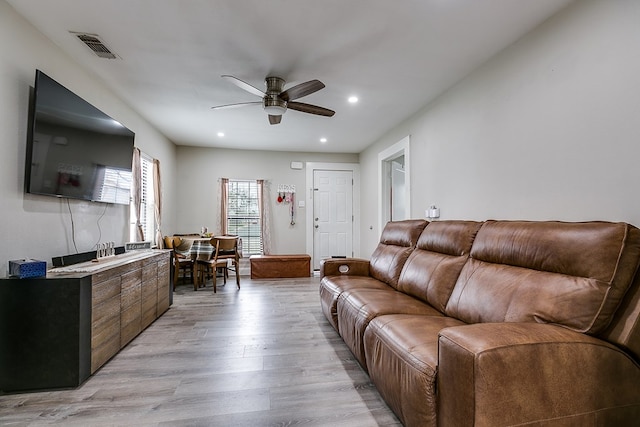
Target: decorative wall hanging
(286,195)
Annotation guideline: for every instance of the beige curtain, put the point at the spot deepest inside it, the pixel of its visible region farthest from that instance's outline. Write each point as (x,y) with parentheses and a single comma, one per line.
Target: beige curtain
(223,193)
(157,208)
(136,192)
(265,215)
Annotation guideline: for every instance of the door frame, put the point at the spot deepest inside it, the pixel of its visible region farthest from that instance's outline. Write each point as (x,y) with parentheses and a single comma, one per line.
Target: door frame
(400,148)
(355,170)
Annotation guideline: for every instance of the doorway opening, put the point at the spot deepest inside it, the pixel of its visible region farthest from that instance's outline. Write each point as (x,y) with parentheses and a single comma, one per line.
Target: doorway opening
(394,183)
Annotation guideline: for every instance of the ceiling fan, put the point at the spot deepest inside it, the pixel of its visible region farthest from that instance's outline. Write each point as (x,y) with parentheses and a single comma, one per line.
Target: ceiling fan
(276,100)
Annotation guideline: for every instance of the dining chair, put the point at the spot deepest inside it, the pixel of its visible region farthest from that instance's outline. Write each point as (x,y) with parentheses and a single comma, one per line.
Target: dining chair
(181,263)
(225,251)
(237,252)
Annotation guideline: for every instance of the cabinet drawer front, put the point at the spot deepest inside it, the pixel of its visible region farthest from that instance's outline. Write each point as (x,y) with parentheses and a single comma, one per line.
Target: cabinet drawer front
(149,295)
(100,355)
(149,302)
(116,271)
(105,312)
(163,264)
(130,297)
(150,272)
(105,333)
(164,285)
(163,274)
(104,290)
(131,280)
(150,288)
(128,333)
(130,324)
(163,304)
(148,315)
(130,315)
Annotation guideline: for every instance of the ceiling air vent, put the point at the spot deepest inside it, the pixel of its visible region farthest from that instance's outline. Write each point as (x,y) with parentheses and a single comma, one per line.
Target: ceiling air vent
(95,44)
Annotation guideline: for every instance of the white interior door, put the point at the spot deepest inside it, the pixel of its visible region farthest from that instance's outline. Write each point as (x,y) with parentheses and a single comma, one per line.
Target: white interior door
(332,214)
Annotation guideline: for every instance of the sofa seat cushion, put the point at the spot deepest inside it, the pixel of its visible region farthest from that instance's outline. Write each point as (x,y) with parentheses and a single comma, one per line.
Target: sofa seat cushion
(357,307)
(332,286)
(402,357)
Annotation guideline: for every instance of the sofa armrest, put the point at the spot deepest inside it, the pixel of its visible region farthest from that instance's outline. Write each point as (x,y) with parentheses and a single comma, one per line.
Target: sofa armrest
(517,373)
(344,267)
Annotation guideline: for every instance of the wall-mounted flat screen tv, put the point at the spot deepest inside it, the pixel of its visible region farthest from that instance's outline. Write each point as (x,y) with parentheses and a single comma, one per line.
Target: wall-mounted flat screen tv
(75,150)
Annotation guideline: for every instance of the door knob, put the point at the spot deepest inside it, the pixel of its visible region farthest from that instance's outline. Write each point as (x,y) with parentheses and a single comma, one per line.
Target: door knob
(317,226)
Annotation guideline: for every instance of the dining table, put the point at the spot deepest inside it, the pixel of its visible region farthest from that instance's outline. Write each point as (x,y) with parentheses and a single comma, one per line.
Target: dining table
(196,247)
(199,248)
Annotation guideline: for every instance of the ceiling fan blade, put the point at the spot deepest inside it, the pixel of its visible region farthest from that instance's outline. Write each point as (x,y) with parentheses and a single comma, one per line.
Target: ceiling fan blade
(274,120)
(244,85)
(303,89)
(240,104)
(311,109)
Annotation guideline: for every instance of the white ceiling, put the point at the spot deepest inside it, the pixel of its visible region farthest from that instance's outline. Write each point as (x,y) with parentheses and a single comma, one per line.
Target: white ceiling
(396,56)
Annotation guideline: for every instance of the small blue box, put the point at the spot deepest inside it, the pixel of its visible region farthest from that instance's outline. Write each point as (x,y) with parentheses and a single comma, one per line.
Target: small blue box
(25,268)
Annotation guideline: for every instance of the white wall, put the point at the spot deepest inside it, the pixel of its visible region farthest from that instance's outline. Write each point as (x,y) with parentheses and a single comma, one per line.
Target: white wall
(39,227)
(547,129)
(199,171)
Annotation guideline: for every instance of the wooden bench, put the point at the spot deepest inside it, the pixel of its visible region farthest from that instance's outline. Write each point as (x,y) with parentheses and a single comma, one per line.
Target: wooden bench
(280,266)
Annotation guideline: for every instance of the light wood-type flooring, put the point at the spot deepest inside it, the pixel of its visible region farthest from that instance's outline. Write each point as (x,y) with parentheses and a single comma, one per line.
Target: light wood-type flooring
(261,356)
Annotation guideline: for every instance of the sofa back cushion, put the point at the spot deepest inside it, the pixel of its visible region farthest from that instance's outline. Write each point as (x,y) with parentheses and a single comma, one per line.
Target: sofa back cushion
(397,240)
(433,267)
(571,274)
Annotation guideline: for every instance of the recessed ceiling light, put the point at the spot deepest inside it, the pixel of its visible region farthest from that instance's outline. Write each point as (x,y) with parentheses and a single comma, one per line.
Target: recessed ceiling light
(353,99)
(220,134)
(323,140)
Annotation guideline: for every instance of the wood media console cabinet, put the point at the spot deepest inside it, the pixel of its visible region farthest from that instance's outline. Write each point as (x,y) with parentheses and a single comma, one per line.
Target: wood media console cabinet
(58,330)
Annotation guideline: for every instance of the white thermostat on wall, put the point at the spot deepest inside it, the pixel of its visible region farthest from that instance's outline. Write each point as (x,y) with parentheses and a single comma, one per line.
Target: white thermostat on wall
(296,165)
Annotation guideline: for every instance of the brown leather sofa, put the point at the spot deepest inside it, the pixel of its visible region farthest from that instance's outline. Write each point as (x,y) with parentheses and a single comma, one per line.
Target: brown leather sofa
(496,323)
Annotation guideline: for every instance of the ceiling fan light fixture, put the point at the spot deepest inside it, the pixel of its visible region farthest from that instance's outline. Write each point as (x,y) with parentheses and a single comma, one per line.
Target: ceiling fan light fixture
(276,101)
(274,106)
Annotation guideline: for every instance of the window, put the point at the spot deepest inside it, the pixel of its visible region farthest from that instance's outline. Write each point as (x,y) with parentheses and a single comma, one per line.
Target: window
(147,201)
(243,215)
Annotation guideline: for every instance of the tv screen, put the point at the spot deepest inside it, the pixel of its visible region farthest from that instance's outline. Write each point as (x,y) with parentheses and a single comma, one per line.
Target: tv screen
(74,149)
